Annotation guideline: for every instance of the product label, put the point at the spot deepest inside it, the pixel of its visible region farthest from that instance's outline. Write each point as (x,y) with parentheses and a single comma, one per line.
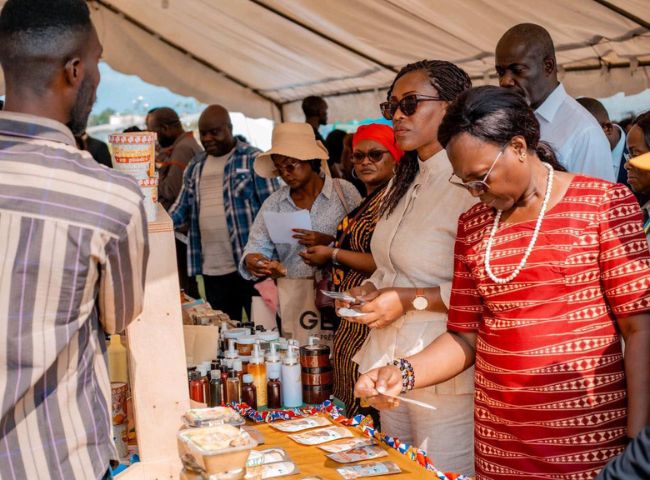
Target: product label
(368,470)
(301,424)
(367,452)
(321,435)
(348,444)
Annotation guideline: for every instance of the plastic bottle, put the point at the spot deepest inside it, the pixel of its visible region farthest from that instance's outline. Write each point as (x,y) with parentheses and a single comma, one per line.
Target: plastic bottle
(196,387)
(249,392)
(273,364)
(224,374)
(231,353)
(291,379)
(223,341)
(232,388)
(117,369)
(257,369)
(239,371)
(273,393)
(216,389)
(205,383)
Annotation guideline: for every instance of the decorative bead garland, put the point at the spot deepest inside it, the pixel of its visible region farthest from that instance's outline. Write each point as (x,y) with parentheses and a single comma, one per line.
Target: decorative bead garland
(531,245)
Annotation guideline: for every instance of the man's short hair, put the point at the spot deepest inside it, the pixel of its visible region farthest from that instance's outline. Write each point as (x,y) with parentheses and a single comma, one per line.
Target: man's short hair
(37,36)
(533,34)
(165,116)
(311,106)
(594,107)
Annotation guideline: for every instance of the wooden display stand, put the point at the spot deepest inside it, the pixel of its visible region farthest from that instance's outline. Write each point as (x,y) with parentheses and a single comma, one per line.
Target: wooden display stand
(157,361)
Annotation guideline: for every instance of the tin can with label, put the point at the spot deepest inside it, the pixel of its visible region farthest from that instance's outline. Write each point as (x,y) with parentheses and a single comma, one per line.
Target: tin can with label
(119,393)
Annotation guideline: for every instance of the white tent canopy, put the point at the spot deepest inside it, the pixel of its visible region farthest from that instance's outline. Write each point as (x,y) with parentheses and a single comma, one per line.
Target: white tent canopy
(261,57)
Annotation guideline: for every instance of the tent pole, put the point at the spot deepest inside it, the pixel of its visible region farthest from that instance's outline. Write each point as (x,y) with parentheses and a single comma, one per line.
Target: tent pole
(624,13)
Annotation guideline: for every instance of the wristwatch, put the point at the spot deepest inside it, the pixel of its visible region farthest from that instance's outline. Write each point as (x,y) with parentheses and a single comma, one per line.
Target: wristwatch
(420,302)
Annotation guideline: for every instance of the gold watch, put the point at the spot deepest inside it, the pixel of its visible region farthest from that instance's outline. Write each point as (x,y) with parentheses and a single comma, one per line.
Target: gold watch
(420,302)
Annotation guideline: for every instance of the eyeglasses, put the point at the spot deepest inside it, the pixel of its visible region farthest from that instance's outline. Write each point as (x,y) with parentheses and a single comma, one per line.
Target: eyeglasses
(287,168)
(408,105)
(478,187)
(373,155)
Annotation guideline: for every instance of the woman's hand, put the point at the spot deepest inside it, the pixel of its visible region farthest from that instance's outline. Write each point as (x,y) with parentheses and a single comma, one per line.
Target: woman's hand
(373,384)
(310,238)
(364,291)
(382,307)
(317,256)
(258,265)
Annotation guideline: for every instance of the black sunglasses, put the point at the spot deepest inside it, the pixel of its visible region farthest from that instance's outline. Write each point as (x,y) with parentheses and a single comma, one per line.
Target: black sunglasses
(373,155)
(408,105)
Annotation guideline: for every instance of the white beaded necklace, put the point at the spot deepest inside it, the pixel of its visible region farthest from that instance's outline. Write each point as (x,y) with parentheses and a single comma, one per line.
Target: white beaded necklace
(531,245)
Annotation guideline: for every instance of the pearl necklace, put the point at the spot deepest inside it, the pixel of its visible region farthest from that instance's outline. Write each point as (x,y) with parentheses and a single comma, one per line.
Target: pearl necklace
(531,245)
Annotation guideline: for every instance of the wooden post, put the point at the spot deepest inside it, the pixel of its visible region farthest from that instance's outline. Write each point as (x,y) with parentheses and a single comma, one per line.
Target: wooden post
(157,361)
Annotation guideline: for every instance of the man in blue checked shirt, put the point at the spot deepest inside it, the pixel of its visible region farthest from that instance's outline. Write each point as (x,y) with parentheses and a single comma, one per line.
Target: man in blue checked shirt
(220,198)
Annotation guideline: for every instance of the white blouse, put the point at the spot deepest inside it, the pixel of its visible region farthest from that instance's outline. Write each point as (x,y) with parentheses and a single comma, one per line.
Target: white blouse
(414,247)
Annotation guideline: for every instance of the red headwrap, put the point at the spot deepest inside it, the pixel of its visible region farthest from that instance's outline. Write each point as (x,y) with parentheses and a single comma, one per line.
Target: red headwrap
(380,133)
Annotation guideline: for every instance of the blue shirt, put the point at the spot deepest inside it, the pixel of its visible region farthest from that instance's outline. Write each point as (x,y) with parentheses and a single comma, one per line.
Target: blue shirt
(325,214)
(617,153)
(244,192)
(576,137)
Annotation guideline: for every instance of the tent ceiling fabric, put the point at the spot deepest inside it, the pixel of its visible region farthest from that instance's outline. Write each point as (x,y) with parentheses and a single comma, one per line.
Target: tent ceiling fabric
(261,57)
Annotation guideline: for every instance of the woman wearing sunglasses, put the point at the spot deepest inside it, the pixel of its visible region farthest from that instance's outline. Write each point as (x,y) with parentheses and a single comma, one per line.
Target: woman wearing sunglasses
(406,298)
(551,269)
(374,158)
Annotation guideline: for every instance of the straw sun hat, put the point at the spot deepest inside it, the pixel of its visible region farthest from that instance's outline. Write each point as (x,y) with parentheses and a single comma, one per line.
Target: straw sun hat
(642,162)
(294,140)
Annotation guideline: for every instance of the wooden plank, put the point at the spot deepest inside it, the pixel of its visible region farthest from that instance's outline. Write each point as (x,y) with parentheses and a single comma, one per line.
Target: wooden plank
(157,360)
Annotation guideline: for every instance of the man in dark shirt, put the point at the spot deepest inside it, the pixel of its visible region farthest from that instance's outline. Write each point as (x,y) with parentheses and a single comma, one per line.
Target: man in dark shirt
(315,110)
(96,148)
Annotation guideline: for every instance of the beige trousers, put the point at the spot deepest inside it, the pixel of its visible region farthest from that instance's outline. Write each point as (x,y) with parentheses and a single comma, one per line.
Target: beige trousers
(446,434)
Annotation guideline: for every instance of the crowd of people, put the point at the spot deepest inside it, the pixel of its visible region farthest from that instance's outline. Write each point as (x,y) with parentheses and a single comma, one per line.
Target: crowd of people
(493,242)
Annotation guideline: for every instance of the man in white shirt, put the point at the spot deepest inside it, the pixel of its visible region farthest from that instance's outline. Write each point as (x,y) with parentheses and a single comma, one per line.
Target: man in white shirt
(525,61)
(614,133)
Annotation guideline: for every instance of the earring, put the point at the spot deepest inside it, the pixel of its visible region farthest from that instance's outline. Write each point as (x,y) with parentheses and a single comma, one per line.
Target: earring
(354,174)
(523,155)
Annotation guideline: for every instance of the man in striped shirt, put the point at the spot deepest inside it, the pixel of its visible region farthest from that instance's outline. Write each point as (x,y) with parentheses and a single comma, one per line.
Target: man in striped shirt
(73,249)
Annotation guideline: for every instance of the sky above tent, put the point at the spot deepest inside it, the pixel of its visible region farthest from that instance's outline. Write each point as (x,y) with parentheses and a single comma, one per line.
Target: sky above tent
(128,93)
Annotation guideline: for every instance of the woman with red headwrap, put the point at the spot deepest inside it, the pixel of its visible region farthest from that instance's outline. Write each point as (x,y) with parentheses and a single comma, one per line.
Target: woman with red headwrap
(374,157)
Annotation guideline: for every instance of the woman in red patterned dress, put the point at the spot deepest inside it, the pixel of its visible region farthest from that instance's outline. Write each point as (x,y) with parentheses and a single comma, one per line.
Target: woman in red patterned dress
(550,270)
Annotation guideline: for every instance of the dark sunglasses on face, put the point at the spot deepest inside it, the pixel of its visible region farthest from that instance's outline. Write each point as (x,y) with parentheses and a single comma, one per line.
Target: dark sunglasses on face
(373,155)
(408,105)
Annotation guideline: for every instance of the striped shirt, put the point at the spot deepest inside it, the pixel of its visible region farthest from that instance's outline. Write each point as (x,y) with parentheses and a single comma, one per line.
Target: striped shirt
(73,253)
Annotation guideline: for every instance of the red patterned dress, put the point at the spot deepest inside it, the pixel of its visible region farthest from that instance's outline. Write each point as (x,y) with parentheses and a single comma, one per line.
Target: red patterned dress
(550,383)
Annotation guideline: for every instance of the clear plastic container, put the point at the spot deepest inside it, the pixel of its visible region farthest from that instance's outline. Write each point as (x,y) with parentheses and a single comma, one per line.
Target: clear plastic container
(218,449)
(207,417)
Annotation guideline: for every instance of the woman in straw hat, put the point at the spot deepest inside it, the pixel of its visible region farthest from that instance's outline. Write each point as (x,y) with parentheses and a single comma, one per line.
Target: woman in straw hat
(638,165)
(301,161)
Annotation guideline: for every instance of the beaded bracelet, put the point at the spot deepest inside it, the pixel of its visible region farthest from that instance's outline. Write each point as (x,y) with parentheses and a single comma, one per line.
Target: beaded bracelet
(408,374)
